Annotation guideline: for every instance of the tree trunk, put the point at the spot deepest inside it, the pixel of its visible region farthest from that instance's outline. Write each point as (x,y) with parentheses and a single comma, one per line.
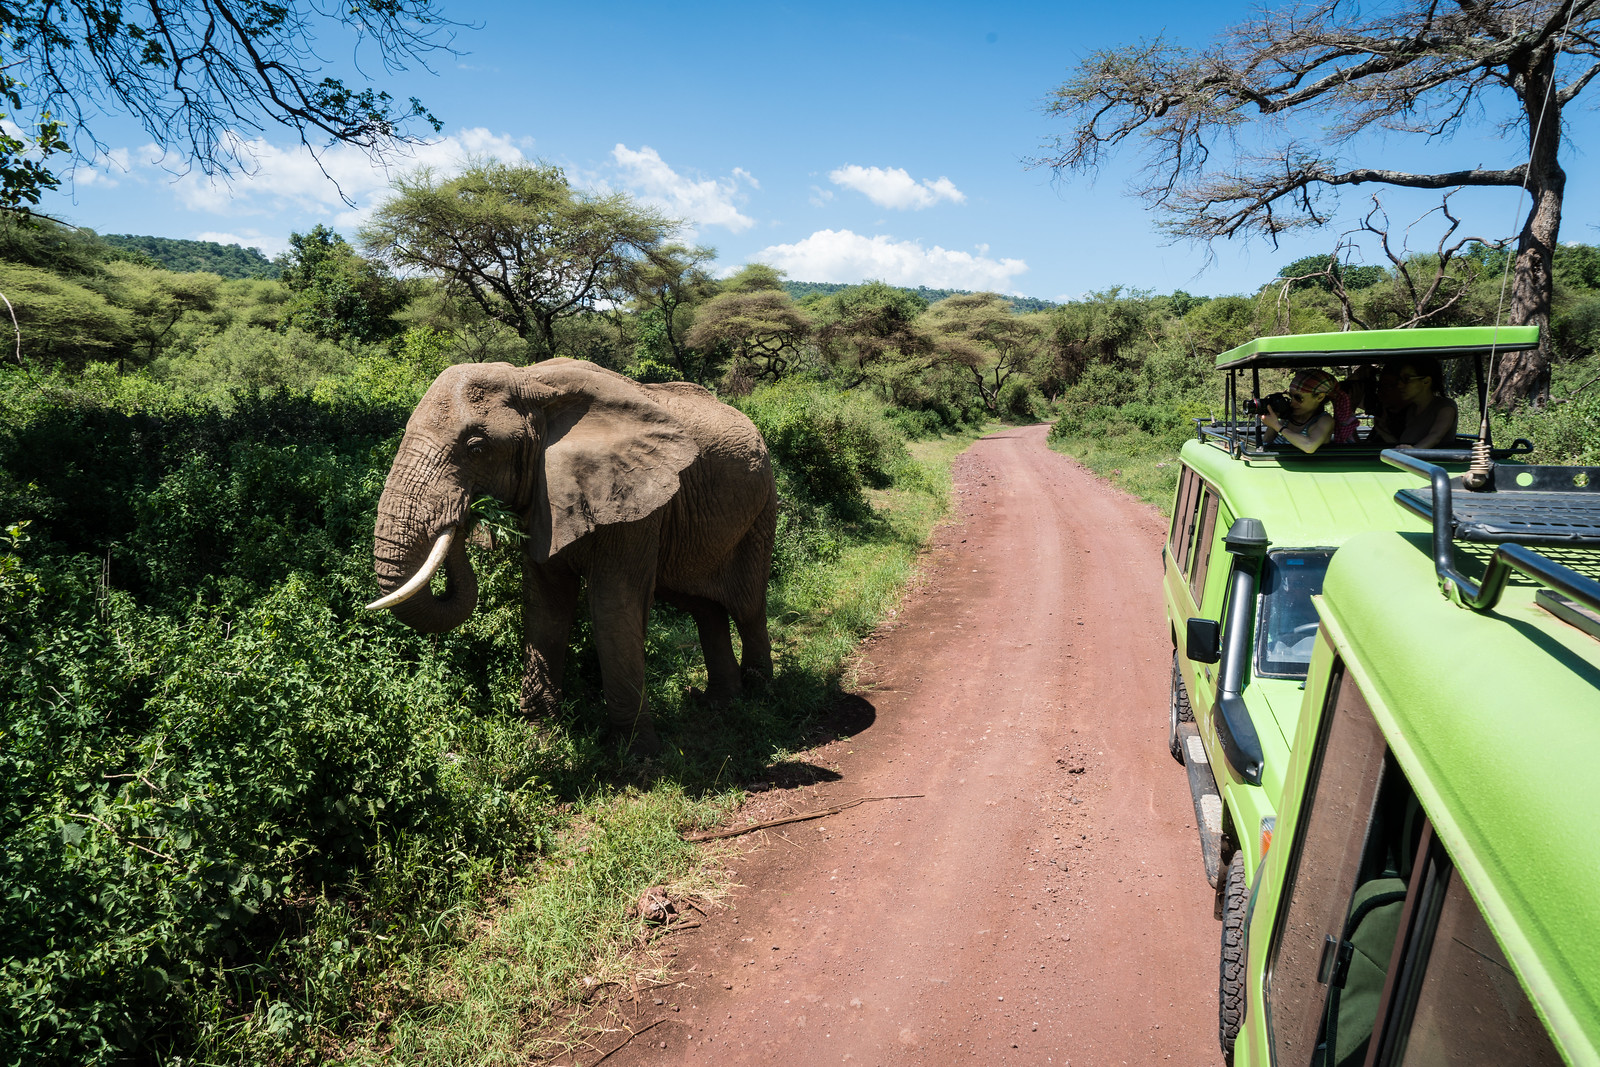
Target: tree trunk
(1525,376)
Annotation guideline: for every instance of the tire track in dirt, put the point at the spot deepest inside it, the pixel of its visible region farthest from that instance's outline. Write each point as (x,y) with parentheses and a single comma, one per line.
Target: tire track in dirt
(1044,901)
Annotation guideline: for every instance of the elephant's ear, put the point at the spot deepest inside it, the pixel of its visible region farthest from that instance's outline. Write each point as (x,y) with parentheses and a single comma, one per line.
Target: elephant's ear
(611,453)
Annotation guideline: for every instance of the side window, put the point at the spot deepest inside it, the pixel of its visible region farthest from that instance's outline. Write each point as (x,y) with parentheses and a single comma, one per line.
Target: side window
(1326,870)
(1202,544)
(1183,516)
(1471,1010)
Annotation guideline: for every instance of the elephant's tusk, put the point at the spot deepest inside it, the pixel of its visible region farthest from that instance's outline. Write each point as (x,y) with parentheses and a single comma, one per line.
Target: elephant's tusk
(420,580)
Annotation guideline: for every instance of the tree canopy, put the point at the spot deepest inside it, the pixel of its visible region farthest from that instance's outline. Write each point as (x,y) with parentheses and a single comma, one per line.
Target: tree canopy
(335,294)
(196,76)
(1413,67)
(519,242)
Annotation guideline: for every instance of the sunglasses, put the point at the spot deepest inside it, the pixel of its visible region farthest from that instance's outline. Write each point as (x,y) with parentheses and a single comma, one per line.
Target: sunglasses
(1407,379)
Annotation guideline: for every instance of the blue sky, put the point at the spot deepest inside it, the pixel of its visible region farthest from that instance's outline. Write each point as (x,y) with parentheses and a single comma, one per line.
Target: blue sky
(837,141)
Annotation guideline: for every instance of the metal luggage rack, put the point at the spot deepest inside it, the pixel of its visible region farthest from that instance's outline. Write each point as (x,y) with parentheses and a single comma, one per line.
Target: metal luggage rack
(1553,507)
(1245,440)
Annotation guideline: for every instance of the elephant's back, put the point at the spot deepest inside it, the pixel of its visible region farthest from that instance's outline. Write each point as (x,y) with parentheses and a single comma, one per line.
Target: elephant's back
(726,504)
(723,432)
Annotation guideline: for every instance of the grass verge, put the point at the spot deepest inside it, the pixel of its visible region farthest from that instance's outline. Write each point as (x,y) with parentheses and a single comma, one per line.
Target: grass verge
(1136,462)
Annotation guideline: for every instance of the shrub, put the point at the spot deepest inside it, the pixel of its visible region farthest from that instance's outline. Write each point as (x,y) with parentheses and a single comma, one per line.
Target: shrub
(827,446)
(1019,401)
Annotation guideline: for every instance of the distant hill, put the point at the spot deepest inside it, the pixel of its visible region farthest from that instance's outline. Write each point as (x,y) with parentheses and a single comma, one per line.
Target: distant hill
(230,261)
(801,290)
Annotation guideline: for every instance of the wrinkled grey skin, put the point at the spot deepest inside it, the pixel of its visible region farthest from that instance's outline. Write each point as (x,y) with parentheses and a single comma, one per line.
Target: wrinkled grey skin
(641,491)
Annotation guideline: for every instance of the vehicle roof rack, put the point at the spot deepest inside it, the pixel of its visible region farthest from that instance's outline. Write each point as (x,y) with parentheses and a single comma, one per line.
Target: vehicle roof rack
(1377,346)
(1549,506)
(1239,439)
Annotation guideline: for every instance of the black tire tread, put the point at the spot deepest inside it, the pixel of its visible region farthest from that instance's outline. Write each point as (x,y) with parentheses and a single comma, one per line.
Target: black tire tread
(1230,978)
(1178,710)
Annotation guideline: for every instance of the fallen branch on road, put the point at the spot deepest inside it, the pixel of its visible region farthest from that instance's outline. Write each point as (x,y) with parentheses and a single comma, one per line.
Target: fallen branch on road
(713,835)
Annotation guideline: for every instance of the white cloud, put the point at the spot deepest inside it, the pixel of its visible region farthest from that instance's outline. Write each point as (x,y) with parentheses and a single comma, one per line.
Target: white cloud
(707,202)
(843,256)
(820,196)
(893,187)
(288,178)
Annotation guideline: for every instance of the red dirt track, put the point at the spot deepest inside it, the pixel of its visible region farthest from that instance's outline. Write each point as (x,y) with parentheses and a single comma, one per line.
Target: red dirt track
(1043,901)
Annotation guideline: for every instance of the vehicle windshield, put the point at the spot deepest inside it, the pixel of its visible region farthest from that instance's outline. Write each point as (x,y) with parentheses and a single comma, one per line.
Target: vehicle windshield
(1286,622)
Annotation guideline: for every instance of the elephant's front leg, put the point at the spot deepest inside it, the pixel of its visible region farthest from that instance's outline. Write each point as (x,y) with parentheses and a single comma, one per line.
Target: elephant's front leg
(621,588)
(549,602)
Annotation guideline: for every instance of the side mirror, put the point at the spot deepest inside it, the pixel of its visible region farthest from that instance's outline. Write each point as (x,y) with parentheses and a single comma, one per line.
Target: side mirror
(1203,640)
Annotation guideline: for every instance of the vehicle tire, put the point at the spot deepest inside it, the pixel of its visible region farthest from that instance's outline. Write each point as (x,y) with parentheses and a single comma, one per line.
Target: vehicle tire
(1178,711)
(1230,978)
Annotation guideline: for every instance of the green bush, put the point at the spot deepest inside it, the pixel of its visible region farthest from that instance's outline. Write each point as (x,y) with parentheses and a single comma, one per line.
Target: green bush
(208,749)
(1019,401)
(828,446)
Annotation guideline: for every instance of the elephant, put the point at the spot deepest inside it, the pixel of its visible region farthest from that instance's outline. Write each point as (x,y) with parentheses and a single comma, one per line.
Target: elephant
(640,491)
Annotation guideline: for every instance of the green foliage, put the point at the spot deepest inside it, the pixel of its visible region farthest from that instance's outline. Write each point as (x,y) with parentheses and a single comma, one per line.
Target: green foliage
(49,245)
(1577,266)
(239,816)
(1019,401)
(829,446)
(210,257)
(811,292)
(1218,325)
(157,301)
(334,293)
(246,360)
(60,320)
(24,178)
(1321,272)
(206,741)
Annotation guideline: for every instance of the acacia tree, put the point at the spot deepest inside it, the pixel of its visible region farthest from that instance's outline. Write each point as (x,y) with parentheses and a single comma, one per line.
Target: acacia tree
(981,333)
(869,332)
(519,242)
(756,320)
(672,281)
(1416,67)
(197,74)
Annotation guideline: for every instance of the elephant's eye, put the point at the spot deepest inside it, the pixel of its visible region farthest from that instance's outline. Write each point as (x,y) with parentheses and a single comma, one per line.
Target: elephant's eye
(475,444)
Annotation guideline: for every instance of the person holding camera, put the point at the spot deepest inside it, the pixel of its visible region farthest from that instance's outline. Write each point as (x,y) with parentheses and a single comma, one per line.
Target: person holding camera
(1300,414)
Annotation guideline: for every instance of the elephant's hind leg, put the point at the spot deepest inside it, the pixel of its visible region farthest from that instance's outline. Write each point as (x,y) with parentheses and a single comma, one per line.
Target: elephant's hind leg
(711,620)
(757,644)
(747,602)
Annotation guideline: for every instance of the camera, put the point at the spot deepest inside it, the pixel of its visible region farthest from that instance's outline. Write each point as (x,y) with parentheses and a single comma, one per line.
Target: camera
(1277,403)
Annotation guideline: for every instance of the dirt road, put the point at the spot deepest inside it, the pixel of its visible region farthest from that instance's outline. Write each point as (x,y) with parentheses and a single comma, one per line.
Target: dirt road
(1043,901)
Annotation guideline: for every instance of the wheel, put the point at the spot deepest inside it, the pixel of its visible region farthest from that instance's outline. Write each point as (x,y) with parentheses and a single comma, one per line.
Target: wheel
(1230,978)
(1178,711)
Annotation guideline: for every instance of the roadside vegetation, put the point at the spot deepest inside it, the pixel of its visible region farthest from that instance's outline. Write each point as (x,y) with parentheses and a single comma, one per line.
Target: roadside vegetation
(1146,365)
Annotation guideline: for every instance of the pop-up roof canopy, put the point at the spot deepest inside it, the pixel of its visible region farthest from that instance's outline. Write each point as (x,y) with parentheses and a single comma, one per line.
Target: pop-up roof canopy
(1377,346)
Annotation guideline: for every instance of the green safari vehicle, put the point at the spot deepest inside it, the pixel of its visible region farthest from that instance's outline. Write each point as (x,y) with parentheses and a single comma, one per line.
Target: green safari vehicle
(1432,895)
(1254,525)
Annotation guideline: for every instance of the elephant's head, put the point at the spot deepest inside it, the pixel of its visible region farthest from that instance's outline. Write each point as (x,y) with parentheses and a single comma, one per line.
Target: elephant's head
(565,443)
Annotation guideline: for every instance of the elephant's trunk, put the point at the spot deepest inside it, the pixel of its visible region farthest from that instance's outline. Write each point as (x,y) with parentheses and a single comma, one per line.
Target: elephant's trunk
(417,528)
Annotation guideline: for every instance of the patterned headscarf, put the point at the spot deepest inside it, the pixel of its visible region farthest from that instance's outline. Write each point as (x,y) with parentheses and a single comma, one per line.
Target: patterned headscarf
(1323,384)
(1314,380)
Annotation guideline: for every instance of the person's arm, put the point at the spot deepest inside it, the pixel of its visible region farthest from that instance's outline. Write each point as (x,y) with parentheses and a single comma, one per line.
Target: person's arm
(1313,437)
(1444,425)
